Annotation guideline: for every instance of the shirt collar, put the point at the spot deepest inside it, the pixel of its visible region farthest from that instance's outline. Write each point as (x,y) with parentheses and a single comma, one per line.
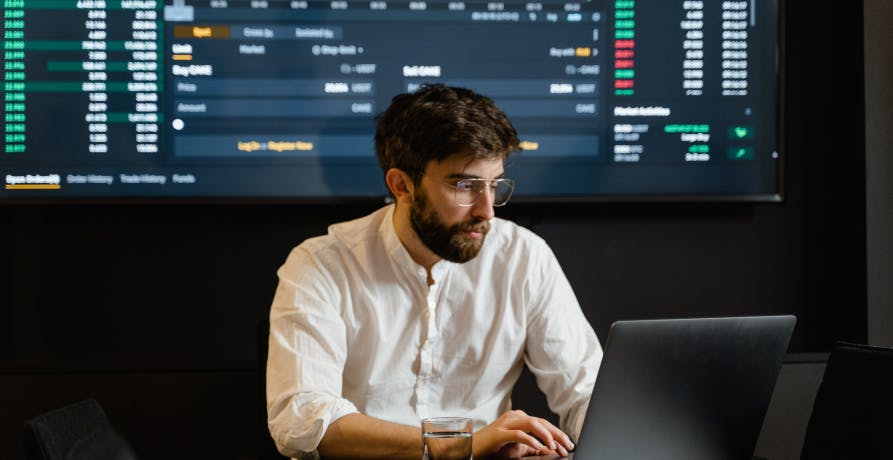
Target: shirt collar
(400,255)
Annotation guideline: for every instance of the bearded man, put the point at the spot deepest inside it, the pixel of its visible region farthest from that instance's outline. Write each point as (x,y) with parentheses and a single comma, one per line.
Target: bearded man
(429,306)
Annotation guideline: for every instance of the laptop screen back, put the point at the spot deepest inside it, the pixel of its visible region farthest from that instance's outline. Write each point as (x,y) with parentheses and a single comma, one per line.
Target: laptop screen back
(684,388)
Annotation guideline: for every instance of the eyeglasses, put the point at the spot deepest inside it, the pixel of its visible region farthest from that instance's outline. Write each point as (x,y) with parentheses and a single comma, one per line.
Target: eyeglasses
(469,191)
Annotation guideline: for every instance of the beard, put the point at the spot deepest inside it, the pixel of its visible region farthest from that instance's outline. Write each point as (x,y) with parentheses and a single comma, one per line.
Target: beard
(448,242)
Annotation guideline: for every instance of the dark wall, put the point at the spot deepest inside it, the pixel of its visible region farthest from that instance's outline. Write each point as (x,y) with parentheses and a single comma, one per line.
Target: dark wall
(152,309)
(879,164)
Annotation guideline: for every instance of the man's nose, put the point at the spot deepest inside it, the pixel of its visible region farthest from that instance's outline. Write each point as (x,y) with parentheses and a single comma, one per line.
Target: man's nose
(483,207)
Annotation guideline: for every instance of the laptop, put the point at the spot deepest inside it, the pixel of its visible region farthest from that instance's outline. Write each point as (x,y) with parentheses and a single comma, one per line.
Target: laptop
(684,388)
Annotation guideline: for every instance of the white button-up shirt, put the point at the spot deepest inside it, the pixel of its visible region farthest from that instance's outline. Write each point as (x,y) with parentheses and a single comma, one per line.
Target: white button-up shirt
(354,327)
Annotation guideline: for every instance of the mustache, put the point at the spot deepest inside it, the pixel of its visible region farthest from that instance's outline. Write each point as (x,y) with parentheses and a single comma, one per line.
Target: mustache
(479,226)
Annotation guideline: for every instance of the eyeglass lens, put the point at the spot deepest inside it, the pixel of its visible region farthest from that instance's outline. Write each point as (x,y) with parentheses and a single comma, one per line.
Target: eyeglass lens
(468,191)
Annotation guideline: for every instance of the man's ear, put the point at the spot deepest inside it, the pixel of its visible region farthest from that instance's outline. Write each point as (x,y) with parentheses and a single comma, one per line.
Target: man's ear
(400,184)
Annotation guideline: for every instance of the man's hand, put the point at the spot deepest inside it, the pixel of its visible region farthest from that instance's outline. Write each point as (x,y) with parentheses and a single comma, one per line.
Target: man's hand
(515,434)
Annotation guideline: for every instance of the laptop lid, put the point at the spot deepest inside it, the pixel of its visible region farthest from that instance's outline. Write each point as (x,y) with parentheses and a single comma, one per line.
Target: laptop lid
(684,388)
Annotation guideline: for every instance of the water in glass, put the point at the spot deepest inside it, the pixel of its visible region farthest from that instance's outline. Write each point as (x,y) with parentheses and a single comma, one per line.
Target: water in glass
(446,445)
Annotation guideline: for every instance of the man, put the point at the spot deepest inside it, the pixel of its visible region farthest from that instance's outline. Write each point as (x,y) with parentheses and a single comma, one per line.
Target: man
(428,307)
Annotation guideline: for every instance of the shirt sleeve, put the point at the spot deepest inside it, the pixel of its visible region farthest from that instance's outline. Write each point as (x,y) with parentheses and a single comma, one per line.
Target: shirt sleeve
(307,352)
(562,350)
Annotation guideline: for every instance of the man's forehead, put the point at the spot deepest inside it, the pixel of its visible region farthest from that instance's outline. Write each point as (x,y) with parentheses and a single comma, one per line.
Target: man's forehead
(459,165)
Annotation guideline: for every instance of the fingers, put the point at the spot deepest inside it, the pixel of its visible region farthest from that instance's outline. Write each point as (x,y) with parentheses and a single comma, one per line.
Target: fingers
(539,429)
(550,435)
(530,440)
(563,441)
(519,432)
(545,434)
(518,450)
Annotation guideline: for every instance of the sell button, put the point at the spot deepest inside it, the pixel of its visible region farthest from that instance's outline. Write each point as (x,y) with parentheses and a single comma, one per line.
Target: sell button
(740,153)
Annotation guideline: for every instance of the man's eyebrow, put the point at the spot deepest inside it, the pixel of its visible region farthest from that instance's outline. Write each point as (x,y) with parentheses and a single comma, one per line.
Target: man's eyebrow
(460,176)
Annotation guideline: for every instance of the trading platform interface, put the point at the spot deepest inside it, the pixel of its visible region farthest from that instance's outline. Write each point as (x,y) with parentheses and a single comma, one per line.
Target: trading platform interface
(278,98)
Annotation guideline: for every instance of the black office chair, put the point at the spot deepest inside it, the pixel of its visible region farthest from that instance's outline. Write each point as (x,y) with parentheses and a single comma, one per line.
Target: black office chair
(79,431)
(852,416)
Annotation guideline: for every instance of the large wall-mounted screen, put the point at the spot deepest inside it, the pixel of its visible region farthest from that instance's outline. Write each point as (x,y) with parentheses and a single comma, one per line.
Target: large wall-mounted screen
(257,99)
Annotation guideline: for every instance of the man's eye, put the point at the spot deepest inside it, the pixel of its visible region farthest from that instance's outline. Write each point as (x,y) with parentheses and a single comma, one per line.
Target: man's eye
(463,186)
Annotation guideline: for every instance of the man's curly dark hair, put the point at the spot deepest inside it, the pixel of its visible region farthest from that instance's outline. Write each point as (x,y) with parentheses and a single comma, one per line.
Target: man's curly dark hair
(437,121)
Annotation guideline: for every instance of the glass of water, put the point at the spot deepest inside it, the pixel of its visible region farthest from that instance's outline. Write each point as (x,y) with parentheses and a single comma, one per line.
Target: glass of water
(446,438)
